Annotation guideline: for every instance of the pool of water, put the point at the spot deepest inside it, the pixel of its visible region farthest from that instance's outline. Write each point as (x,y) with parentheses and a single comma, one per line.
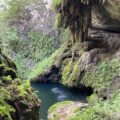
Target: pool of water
(50,93)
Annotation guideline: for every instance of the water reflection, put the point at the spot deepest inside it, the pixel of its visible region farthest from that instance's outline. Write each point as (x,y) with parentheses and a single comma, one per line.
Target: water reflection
(55,90)
(51,93)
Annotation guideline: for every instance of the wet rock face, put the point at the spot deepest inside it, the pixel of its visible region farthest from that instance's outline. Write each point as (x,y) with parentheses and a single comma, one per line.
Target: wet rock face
(18,99)
(107,16)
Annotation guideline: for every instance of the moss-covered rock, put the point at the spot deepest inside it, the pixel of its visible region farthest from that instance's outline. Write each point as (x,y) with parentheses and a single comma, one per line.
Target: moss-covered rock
(66,72)
(17,99)
(65,110)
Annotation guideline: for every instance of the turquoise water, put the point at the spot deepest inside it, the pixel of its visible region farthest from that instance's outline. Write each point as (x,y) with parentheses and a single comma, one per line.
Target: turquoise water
(50,93)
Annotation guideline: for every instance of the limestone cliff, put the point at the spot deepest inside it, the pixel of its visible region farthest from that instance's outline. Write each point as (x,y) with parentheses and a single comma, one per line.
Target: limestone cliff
(72,62)
(107,16)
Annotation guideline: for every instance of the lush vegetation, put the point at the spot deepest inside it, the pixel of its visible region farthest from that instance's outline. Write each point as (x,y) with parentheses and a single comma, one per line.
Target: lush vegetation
(26,53)
(43,66)
(22,52)
(35,53)
(103,75)
(5,109)
(100,78)
(41,45)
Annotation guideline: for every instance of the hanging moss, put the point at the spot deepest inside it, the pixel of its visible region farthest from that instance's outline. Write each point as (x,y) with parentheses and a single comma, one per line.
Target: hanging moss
(74,15)
(66,72)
